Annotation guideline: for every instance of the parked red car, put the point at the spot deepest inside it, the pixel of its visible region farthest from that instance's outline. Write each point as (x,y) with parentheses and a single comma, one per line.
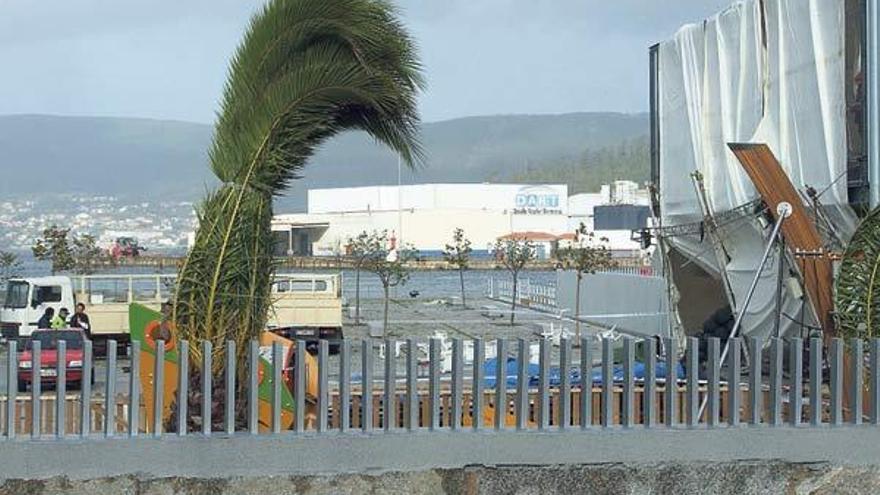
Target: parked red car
(49,358)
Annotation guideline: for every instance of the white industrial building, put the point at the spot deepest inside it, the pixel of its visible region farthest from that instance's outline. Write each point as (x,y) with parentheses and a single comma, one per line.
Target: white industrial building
(426,215)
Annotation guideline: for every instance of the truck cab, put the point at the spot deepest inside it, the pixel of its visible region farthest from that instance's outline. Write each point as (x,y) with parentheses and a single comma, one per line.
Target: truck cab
(27,300)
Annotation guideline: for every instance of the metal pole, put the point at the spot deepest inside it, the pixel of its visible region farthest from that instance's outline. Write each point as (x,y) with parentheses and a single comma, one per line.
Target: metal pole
(783,211)
(872,45)
(779,277)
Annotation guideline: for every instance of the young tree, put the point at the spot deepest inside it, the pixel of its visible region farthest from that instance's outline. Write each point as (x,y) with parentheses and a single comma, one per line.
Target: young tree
(514,253)
(585,255)
(86,254)
(10,267)
(390,266)
(458,254)
(361,249)
(54,246)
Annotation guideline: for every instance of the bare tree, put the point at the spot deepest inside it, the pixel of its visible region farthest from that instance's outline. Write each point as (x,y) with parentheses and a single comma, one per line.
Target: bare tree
(586,255)
(390,265)
(360,249)
(458,254)
(87,256)
(10,267)
(54,247)
(514,253)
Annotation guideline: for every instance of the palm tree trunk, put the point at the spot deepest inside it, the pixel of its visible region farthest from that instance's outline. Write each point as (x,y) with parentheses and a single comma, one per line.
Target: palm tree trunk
(461,277)
(357,295)
(577,308)
(385,322)
(513,299)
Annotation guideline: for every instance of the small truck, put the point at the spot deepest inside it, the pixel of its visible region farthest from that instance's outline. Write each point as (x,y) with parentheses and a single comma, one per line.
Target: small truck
(305,306)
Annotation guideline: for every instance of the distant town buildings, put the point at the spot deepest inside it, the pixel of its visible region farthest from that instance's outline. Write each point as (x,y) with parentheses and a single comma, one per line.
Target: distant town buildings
(425,216)
(160,226)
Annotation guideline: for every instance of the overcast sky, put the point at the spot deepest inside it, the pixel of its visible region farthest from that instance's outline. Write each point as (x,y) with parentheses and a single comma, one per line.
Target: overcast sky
(167,59)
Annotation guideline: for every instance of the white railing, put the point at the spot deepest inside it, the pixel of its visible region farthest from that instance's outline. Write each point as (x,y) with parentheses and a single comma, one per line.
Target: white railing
(528,293)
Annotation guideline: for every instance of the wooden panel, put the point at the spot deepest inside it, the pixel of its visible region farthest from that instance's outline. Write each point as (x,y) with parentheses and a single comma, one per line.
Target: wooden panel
(798,230)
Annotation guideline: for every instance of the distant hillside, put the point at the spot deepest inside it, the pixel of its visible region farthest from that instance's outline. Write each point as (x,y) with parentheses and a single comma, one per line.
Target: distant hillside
(162,159)
(586,172)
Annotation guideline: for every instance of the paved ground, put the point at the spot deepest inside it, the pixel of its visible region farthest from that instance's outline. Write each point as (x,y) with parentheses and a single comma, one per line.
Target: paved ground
(419,318)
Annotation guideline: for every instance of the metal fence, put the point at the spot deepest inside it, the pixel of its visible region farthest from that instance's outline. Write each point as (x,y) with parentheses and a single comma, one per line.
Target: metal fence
(529,294)
(622,384)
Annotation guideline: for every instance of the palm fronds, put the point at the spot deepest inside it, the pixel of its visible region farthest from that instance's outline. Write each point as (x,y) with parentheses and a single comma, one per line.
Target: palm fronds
(857,290)
(305,71)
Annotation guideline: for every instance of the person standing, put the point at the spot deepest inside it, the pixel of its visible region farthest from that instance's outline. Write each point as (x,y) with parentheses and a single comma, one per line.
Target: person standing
(60,320)
(45,321)
(80,319)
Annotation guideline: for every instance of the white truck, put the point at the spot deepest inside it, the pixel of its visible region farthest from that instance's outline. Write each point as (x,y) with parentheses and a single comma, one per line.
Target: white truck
(305,306)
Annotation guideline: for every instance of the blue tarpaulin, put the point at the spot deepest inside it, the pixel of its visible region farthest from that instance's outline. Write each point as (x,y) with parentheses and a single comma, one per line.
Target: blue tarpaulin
(555,374)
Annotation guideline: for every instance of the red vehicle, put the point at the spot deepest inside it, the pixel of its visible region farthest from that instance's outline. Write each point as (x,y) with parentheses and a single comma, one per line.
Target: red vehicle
(49,358)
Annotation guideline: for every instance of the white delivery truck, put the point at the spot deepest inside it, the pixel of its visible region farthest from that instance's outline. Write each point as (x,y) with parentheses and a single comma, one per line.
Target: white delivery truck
(305,306)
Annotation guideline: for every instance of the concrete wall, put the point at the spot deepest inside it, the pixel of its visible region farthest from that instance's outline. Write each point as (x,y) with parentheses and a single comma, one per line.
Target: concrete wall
(730,460)
(606,299)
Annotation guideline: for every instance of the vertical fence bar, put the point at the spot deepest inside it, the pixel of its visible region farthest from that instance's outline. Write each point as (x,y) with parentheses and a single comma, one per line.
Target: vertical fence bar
(435,383)
(671,391)
(229,417)
(522,385)
(693,381)
(836,362)
(299,386)
(586,405)
(109,390)
(714,365)
(501,384)
(345,385)
(565,383)
(733,378)
(477,391)
(134,390)
(457,383)
(367,386)
(875,381)
(158,387)
(856,405)
(85,410)
(207,365)
(607,383)
(650,393)
(277,383)
(776,381)
(412,386)
(755,379)
(182,387)
(11,387)
(796,371)
(388,403)
(36,392)
(628,382)
(815,381)
(324,385)
(60,388)
(253,387)
(544,383)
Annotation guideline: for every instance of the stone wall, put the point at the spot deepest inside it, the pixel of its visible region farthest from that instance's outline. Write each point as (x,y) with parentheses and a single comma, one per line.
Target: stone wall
(736,478)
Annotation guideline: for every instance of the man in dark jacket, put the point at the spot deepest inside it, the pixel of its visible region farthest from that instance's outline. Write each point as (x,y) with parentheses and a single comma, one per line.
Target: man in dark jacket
(45,321)
(80,319)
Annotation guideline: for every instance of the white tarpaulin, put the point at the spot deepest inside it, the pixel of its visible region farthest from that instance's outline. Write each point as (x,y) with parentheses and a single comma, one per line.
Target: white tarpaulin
(774,77)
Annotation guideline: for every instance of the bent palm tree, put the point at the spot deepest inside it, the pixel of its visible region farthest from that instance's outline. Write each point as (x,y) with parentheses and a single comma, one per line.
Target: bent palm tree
(305,71)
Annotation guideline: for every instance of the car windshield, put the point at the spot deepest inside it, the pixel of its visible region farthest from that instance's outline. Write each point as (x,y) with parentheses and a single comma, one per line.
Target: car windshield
(16,295)
(49,340)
